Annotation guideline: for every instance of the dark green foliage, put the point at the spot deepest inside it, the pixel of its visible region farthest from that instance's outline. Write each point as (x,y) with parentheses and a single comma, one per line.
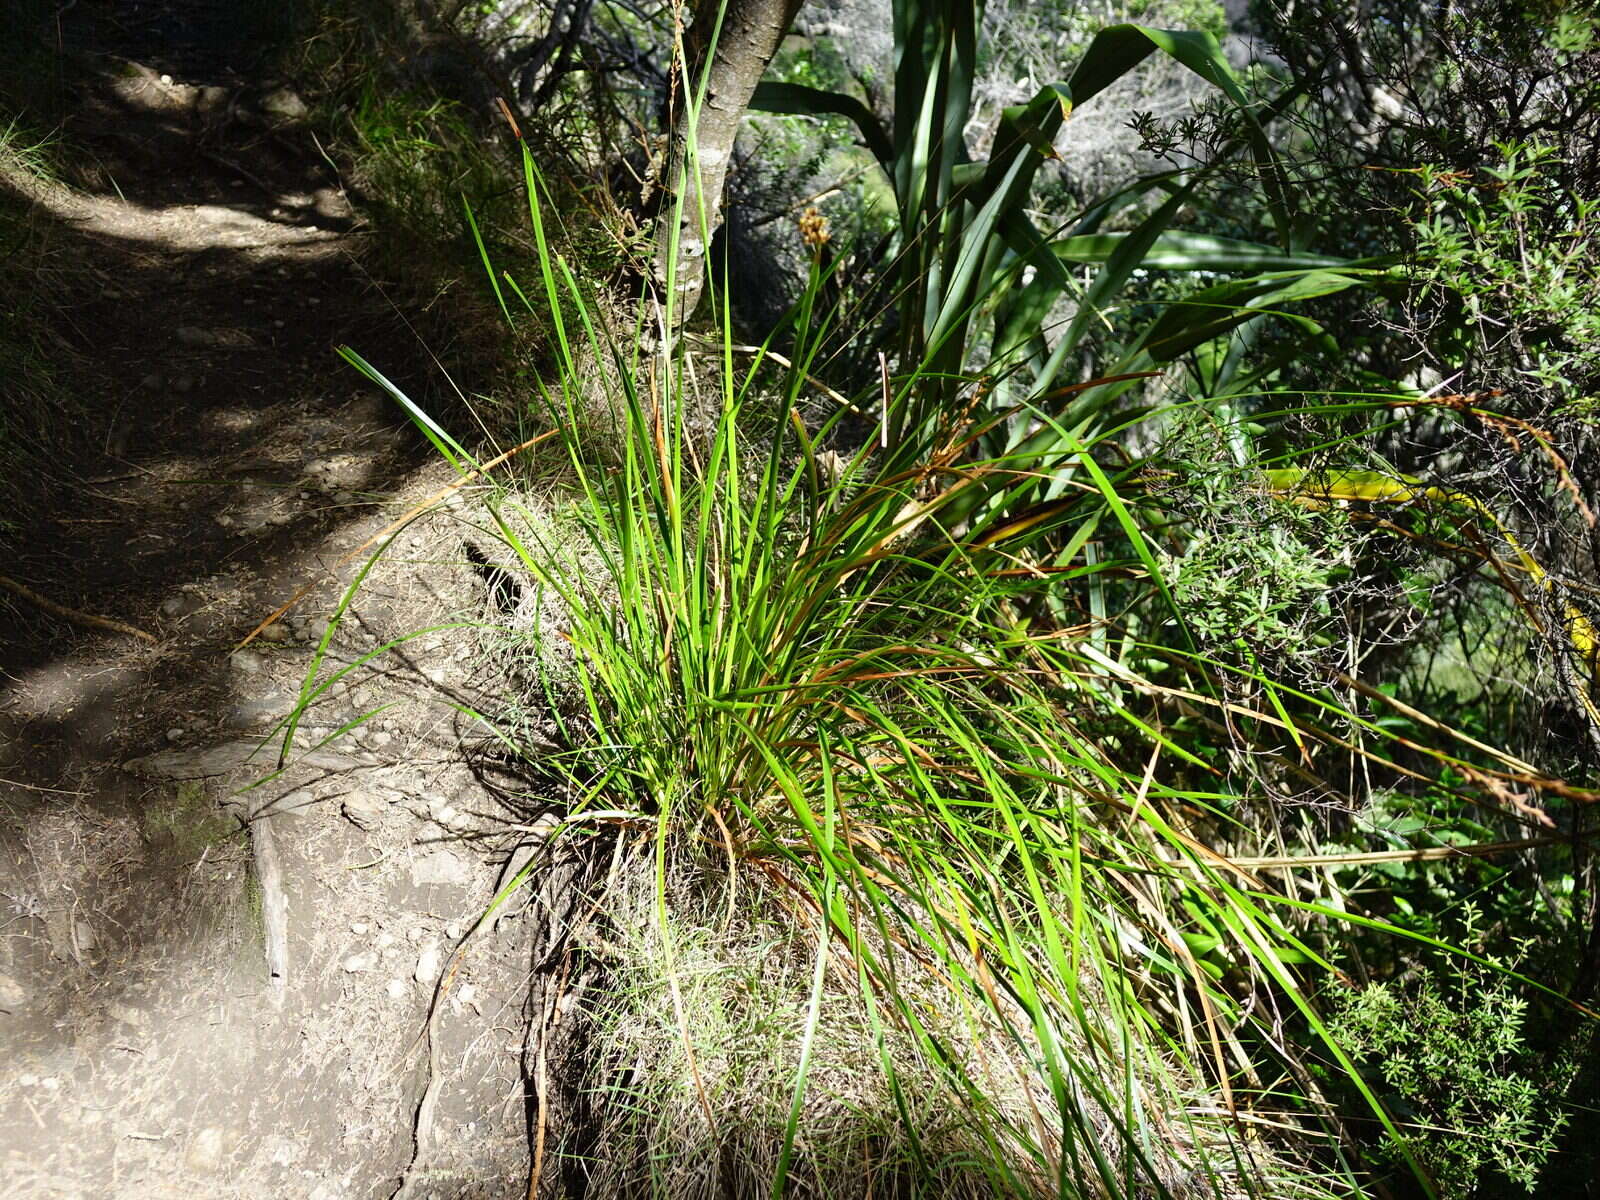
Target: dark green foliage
(1451,1052)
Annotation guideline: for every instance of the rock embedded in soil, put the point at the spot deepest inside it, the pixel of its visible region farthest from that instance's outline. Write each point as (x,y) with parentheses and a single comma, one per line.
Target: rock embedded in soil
(363,810)
(205,1152)
(246,661)
(440,867)
(13,995)
(284,104)
(128,1014)
(260,710)
(211,99)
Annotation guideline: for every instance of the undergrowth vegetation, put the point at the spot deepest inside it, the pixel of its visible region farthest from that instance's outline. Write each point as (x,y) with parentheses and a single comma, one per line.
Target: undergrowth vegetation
(1035,756)
(35,286)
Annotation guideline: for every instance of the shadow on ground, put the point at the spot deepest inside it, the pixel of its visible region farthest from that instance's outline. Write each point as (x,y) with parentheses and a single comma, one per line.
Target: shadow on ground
(222,456)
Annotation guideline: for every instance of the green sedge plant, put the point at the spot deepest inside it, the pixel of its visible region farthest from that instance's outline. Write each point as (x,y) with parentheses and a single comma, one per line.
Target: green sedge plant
(840,696)
(976,284)
(805,684)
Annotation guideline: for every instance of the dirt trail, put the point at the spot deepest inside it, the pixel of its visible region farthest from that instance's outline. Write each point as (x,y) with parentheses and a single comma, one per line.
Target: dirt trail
(144,1050)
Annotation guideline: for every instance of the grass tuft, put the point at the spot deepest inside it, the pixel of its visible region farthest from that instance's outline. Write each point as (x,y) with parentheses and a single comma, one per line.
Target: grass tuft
(904,903)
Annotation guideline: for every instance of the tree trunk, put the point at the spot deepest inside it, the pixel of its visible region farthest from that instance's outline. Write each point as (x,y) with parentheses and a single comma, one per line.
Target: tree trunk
(750,34)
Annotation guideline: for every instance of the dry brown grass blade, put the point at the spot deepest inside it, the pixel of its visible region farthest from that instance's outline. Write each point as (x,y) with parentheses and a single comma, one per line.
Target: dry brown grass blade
(1356,858)
(1179,949)
(1530,779)
(1422,718)
(550,1018)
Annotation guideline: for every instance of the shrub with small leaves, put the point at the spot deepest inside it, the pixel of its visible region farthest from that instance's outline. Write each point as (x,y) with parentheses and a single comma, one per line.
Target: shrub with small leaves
(1447,1052)
(1508,258)
(1247,565)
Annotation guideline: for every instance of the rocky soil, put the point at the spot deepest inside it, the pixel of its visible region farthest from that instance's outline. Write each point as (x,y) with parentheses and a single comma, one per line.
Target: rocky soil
(217,978)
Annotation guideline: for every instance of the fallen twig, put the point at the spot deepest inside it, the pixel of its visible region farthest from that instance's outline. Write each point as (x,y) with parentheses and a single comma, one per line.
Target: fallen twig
(274,900)
(72,614)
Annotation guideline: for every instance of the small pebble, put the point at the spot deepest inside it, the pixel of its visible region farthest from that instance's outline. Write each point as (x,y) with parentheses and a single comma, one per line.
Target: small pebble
(276,632)
(172,606)
(359,927)
(427,969)
(453,932)
(175,734)
(357,963)
(166,81)
(205,1152)
(397,989)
